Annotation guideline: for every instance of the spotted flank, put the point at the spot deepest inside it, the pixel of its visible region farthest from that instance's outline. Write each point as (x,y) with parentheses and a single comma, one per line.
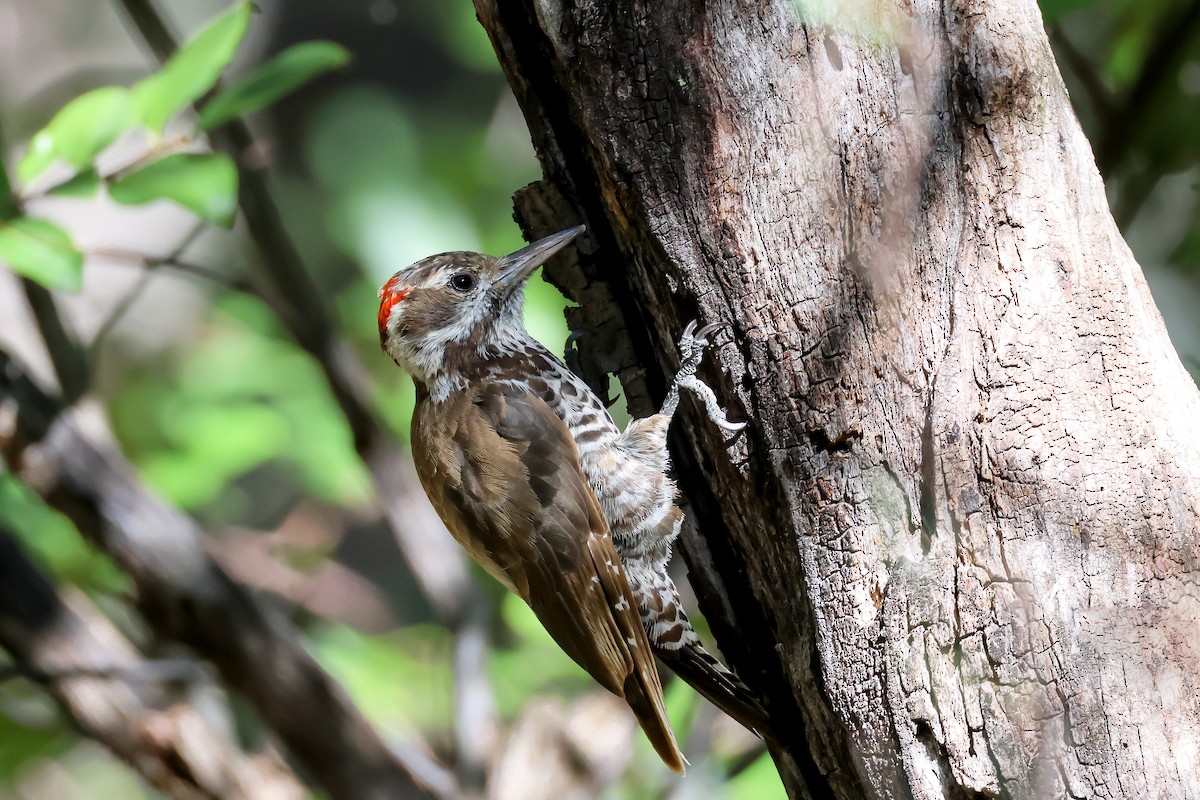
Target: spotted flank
(628,470)
(530,473)
(493,449)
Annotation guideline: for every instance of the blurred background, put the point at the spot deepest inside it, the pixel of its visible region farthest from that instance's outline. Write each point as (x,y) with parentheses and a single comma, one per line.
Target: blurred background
(414,148)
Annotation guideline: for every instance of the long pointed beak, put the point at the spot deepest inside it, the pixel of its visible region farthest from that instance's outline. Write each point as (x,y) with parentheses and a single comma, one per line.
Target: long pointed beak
(516,267)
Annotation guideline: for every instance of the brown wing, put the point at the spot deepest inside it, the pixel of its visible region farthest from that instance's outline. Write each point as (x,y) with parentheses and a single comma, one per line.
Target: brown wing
(504,473)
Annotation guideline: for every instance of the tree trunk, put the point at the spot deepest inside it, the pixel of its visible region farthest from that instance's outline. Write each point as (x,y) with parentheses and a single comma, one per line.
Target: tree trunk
(956,549)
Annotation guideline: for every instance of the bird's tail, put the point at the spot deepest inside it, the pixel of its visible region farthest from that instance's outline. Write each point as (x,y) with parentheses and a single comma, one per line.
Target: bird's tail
(641,687)
(717,684)
(643,693)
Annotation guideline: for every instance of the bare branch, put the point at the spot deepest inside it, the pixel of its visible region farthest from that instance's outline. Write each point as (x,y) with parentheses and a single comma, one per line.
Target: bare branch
(70,364)
(186,596)
(67,645)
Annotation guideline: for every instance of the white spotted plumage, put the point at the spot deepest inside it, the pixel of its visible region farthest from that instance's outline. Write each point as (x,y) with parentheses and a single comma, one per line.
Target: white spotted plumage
(485,341)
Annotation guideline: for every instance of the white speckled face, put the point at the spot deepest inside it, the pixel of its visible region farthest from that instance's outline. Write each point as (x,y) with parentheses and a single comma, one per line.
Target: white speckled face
(440,301)
(446,306)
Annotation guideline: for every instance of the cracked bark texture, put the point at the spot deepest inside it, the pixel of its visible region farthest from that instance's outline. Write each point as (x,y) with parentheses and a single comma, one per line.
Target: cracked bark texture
(957,547)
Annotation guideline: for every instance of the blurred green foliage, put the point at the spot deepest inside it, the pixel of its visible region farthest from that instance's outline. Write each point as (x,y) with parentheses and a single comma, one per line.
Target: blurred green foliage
(416,148)
(241,396)
(54,542)
(41,250)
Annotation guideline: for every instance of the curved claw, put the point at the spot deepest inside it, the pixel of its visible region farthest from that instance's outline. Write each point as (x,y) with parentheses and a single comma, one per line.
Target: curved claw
(694,342)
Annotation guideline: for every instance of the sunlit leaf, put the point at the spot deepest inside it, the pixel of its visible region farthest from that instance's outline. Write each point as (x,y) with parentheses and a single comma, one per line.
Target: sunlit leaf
(193,69)
(37,158)
(283,74)
(204,183)
(85,184)
(79,131)
(41,251)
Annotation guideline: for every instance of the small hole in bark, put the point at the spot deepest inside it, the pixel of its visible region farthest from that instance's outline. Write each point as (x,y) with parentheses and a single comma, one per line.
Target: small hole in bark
(835,55)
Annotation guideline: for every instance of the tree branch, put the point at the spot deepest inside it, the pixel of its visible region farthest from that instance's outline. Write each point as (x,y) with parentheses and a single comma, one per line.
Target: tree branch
(185,596)
(84,662)
(67,357)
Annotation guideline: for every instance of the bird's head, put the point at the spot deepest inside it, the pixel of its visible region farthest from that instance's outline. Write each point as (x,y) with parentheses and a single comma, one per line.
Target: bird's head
(446,311)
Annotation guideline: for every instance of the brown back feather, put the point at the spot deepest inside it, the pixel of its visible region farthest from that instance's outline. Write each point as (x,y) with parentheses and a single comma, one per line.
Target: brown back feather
(504,474)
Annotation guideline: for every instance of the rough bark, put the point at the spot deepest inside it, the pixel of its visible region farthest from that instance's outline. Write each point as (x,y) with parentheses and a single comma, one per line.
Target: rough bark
(956,549)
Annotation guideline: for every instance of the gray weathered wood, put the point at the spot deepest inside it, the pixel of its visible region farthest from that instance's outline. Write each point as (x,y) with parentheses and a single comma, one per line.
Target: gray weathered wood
(957,548)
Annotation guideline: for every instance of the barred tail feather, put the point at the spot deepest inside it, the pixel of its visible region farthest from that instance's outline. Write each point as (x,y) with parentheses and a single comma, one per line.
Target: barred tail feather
(719,686)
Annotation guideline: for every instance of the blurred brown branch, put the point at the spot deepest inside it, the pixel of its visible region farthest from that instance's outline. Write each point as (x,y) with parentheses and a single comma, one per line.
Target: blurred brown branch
(70,363)
(185,596)
(329,589)
(83,660)
(291,294)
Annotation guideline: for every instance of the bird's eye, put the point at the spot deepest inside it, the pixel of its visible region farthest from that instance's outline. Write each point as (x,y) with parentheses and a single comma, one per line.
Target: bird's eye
(462,282)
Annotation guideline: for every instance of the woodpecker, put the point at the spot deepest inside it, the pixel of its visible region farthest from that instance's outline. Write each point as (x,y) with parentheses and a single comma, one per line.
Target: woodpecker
(526,467)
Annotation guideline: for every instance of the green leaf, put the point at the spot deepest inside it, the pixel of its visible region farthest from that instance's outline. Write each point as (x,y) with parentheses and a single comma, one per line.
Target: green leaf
(37,158)
(79,131)
(41,251)
(85,184)
(193,69)
(282,75)
(204,183)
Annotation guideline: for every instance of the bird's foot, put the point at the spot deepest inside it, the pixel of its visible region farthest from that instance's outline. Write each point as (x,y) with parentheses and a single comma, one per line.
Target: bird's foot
(692,345)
